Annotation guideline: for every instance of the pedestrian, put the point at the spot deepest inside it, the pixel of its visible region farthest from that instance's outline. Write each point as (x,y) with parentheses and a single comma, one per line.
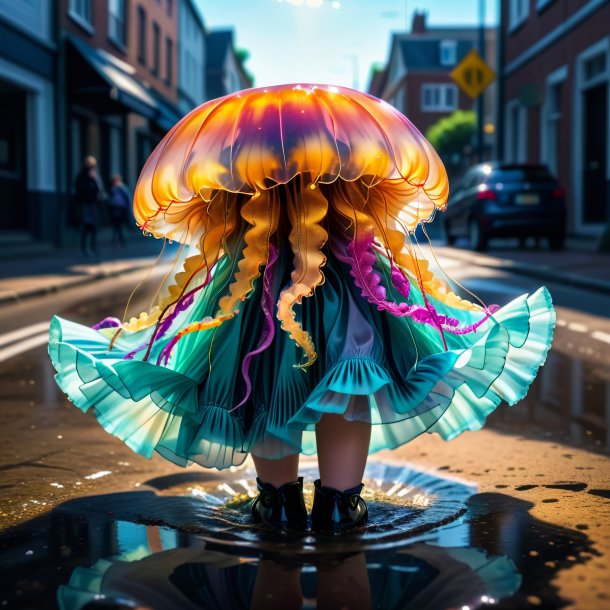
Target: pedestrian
(88,192)
(118,205)
(304,319)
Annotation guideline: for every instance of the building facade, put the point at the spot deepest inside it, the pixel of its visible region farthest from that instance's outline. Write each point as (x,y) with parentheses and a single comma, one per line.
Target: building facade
(107,78)
(416,78)
(556,73)
(192,57)
(28,132)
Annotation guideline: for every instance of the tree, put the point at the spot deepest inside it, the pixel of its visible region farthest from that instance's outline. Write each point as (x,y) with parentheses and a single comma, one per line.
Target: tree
(242,56)
(451,134)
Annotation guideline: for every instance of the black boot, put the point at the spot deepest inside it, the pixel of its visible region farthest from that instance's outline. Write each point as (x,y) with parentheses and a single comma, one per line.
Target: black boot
(282,507)
(335,511)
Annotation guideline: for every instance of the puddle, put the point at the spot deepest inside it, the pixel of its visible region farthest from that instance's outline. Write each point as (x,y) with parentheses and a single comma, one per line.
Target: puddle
(432,542)
(402,503)
(569,400)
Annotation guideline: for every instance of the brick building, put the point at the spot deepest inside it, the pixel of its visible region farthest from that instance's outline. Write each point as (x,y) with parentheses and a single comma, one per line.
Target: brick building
(416,78)
(556,74)
(28,121)
(120,69)
(106,78)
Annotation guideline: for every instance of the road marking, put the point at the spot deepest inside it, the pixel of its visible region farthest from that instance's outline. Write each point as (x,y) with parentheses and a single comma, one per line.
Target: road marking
(601,336)
(23,346)
(577,327)
(22,333)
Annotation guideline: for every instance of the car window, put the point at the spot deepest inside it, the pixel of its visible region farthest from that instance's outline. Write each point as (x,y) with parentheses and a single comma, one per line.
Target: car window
(521,174)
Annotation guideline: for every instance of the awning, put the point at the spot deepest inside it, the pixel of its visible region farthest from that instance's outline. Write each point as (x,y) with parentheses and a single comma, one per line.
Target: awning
(118,80)
(167,116)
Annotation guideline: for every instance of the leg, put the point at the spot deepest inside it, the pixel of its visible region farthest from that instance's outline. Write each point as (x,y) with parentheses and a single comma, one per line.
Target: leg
(342,450)
(84,230)
(344,584)
(276,588)
(94,239)
(277,472)
(281,508)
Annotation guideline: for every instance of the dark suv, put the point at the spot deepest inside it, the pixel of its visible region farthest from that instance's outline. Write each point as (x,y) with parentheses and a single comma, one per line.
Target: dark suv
(509,200)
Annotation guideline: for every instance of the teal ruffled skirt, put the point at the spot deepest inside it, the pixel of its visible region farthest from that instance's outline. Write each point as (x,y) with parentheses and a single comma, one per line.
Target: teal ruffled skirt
(392,372)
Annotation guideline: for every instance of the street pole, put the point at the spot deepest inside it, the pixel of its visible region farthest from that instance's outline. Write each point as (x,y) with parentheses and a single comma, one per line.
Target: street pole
(481,98)
(500,86)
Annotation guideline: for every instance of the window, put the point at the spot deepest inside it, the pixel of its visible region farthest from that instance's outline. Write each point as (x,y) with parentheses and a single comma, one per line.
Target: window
(553,117)
(518,11)
(448,52)
(156,48)
(169,54)
(594,67)
(116,21)
(439,97)
(170,5)
(141,35)
(82,12)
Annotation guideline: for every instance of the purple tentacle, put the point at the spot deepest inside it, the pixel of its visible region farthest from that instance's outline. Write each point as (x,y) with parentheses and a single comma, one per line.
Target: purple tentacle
(268,331)
(183,304)
(107,323)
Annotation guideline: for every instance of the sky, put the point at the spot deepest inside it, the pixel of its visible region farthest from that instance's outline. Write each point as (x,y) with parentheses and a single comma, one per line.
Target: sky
(332,42)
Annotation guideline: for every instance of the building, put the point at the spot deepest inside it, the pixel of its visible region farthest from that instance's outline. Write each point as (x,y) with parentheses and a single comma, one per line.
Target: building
(556,77)
(416,78)
(107,78)
(191,58)
(224,70)
(28,121)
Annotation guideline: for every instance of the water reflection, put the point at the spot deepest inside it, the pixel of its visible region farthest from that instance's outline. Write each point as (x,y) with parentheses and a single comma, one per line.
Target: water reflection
(570,397)
(141,549)
(420,576)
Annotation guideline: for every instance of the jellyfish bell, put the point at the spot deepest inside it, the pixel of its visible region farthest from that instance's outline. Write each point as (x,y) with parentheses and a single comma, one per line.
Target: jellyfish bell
(253,140)
(313,164)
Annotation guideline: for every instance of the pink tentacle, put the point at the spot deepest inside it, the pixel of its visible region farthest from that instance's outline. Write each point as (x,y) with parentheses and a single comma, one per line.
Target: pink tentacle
(361,260)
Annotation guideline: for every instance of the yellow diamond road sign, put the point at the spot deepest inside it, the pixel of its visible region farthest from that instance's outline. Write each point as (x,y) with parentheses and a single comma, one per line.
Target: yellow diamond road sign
(472,74)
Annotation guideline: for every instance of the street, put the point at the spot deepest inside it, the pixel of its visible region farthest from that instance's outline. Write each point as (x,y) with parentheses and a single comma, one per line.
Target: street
(534,481)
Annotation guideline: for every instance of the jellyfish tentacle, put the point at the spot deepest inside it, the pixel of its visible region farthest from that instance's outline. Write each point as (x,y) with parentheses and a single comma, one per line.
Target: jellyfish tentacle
(220,217)
(306,209)
(261,212)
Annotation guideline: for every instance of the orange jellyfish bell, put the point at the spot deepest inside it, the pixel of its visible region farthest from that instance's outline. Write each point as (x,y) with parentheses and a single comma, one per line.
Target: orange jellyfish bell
(252,140)
(325,159)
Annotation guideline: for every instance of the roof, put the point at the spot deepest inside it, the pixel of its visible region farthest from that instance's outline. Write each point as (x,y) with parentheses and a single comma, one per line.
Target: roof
(424,54)
(377,83)
(218,44)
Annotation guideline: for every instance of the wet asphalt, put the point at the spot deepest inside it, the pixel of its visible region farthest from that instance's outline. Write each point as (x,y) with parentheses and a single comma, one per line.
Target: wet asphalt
(516,515)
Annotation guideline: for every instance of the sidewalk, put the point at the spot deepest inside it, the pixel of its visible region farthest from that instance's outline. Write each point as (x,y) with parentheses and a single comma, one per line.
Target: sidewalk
(577,265)
(44,269)
(35,269)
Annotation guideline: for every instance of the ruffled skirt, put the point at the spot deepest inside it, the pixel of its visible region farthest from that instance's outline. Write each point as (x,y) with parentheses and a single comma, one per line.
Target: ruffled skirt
(372,366)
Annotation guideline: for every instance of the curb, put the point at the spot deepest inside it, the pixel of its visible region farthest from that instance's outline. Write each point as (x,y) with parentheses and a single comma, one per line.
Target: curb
(537,271)
(16,297)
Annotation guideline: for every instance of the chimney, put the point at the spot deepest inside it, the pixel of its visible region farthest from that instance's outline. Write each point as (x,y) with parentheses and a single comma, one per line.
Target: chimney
(418,25)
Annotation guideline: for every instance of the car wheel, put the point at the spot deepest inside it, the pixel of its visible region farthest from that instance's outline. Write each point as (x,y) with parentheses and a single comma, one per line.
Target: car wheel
(448,237)
(478,241)
(556,241)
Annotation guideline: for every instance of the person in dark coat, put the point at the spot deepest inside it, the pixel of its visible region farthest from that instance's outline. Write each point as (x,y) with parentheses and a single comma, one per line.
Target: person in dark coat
(88,190)
(118,206)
